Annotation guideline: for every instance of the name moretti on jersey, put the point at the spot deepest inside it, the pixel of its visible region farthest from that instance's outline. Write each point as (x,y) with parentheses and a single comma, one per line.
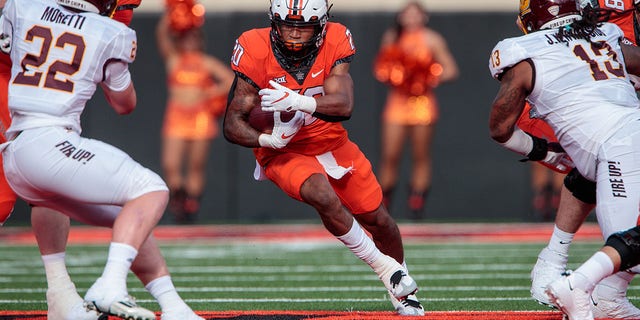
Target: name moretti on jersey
(568,36)
(54,15)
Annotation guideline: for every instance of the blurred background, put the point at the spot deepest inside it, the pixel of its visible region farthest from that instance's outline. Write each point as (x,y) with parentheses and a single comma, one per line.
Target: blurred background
(474,179)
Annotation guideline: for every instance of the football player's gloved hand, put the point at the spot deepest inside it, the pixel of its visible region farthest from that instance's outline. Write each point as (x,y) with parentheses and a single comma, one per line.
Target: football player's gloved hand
(282,132)
(5,43)
(550,153)
(538,149)
(281,98)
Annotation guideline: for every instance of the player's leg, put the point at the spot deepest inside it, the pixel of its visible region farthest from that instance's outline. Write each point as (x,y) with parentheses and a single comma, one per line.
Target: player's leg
(149,265)
(392,142)
(577,199)
(304,178)
(51,230)
(151,268)
(420,181)
(196,173)
(617,197)
(362,196)
(173,151)
(96,173)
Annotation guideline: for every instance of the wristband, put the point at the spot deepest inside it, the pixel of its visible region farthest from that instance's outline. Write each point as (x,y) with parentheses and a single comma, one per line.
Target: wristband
(264,140)
(307,104)
(519,142)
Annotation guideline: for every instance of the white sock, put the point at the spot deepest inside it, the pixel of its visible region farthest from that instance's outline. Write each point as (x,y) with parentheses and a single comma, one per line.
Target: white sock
(598,267)
(165,293)
(56,270)
(360,244)
(119,262)
(560,241)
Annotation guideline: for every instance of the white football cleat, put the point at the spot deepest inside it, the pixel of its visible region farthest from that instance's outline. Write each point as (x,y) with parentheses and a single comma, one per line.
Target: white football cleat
(186,314)
(117,303)
(610,300)
(410,306)
(394,277)
(66,304)
(549,267)
(573,302)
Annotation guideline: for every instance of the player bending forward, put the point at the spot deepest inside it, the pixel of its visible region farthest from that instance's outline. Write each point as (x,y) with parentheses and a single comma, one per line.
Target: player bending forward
(301,64)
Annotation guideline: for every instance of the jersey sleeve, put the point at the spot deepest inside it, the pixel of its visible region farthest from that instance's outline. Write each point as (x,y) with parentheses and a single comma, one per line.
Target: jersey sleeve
(123,47)
(506,54)
(8,15)
(340,38)
(247,56)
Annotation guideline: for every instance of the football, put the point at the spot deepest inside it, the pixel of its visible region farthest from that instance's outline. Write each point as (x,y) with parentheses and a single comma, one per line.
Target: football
(263,120)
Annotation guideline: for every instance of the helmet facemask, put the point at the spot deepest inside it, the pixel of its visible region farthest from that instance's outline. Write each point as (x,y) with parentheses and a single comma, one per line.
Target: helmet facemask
(314,14)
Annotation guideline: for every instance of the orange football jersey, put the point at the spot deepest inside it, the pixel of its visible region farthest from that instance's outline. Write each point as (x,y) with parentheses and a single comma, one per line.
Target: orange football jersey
(622,15)
(7,196)
(254,61)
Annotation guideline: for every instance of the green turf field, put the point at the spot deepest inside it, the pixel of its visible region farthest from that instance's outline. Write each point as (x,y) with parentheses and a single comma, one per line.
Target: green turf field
(303,276)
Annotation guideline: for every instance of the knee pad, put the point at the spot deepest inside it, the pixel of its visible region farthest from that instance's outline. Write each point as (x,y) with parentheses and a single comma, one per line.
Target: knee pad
(581,188)
(627,243)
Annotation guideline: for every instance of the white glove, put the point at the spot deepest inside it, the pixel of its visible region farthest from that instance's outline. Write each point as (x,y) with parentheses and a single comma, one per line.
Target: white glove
(5,43)
(557,158)
(282,132)
(281,98)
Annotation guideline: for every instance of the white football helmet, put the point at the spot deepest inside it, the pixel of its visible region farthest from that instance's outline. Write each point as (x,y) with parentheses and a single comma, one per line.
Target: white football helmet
(298,13)
(102,7)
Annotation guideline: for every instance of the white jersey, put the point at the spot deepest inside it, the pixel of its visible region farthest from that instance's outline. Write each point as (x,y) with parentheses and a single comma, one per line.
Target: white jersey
(58,58)
(583,114)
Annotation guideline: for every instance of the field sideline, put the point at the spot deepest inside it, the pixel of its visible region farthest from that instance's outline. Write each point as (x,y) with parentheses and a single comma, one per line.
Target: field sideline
(298,271)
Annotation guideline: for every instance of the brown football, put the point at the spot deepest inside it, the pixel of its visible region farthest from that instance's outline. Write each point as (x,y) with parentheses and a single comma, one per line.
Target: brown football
(263,120)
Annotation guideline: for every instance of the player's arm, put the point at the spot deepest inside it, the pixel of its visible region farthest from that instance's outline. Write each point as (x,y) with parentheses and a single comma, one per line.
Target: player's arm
(118,87)
(631,58)
(337,102)
(508,104)
(242,98)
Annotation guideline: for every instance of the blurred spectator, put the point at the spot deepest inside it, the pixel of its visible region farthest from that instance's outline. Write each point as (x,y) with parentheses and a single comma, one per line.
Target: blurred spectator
(197,87)
(412,61)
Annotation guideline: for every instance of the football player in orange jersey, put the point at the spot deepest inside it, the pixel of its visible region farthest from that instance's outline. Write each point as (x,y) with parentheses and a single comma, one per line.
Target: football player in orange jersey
(577,197)
(301,63)
(51,229)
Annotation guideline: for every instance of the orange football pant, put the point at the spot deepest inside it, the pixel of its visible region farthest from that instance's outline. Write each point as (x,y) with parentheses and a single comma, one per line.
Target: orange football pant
(358,190)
